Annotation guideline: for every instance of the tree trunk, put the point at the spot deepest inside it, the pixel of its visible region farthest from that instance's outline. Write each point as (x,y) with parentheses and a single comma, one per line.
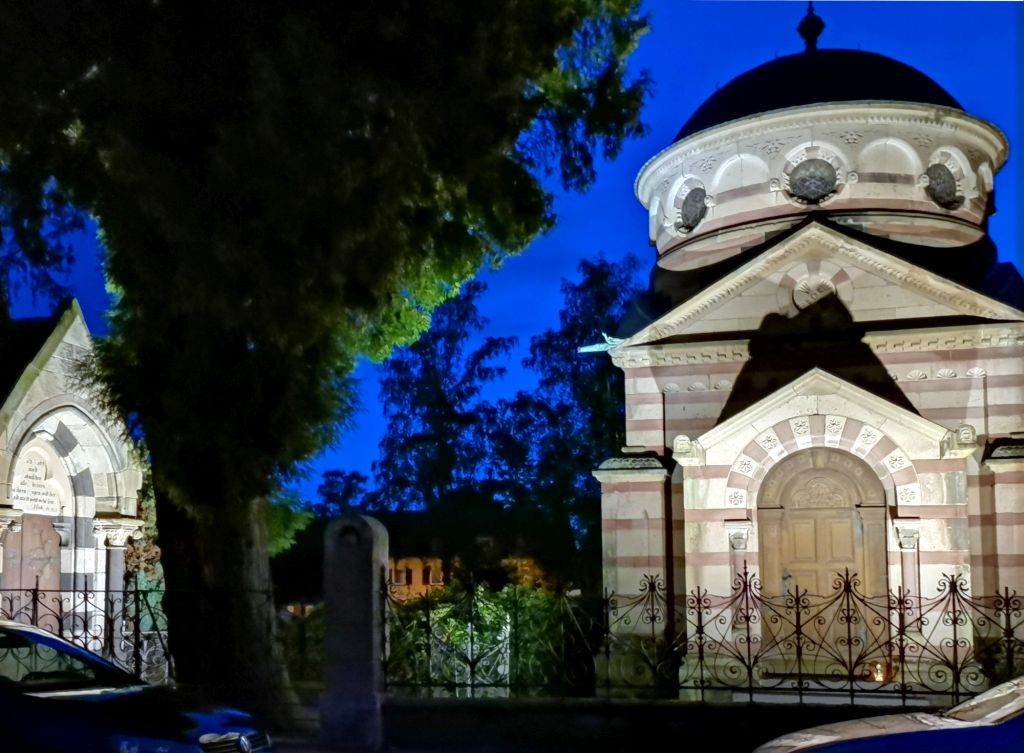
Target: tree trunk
(220,607)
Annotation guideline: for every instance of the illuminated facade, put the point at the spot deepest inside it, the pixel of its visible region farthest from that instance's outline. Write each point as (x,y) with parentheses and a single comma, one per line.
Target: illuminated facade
(831,375)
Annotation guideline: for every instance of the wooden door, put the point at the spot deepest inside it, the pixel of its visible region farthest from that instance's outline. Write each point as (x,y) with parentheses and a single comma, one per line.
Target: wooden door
(816,545)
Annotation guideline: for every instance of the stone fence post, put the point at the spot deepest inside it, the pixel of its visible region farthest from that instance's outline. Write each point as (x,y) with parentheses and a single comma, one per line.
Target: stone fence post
(355,567)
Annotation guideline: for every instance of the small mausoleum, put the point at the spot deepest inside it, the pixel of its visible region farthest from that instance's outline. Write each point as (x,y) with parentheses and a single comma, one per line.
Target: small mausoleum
(68,481)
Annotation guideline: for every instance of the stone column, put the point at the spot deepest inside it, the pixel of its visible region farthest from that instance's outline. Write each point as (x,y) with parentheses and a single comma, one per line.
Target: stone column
(739,532)
(908,534)
(355,567)
(111,538)
(10,523)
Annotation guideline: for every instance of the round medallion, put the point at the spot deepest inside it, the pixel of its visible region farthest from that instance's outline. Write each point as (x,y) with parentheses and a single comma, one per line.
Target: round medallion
(812,180)
(941,187)
(693,209)
(812,289)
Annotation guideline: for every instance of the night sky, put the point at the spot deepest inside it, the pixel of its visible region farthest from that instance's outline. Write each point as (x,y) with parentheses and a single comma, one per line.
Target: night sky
(972,49)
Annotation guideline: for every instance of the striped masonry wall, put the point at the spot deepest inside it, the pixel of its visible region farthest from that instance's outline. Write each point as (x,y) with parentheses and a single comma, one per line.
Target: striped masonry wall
(960,526)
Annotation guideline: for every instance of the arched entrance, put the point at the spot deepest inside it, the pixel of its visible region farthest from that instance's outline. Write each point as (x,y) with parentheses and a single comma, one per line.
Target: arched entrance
(820,513)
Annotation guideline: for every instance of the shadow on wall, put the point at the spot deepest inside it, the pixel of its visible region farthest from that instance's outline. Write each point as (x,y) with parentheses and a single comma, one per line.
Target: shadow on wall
(823,335)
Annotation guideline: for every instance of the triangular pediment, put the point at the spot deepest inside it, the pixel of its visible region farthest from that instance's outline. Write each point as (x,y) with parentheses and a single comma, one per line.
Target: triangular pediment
(55,356)
(819,393)
(817,260)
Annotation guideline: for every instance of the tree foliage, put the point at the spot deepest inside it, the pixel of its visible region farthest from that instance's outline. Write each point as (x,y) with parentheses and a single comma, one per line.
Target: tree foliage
(437,421)
(286,518)
(339,492)
(519,469)
(575,419)
(280,187)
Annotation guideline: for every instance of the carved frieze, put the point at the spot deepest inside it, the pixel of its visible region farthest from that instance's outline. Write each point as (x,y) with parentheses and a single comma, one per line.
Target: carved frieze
(682,354)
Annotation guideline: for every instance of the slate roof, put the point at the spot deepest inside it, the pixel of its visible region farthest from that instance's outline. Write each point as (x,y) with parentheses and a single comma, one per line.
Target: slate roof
(815,77)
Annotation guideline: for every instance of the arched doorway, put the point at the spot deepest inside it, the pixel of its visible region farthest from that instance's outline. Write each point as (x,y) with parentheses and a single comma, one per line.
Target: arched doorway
(821,513)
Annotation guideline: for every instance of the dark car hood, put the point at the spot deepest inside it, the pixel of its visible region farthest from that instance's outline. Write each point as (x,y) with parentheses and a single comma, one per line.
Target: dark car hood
(147,711)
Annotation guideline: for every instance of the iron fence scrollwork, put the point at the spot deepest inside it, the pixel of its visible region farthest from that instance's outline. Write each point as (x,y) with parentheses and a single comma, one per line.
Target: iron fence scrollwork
(894,648)
(125,627)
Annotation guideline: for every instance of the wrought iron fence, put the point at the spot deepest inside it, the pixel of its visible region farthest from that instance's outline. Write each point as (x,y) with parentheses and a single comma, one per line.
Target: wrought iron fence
(747,645)
(126,627)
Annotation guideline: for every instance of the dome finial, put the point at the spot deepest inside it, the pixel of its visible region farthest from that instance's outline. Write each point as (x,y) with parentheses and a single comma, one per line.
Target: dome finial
(810,28)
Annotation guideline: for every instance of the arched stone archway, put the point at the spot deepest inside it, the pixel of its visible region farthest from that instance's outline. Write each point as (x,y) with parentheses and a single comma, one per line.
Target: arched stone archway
(821,513)
(822,525)
(65,471)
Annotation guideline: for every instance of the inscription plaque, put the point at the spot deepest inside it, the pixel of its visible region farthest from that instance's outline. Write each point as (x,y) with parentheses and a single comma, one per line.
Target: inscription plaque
(34,489)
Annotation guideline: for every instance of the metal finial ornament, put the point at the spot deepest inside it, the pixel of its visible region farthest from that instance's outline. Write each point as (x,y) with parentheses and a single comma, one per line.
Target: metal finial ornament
(810,28)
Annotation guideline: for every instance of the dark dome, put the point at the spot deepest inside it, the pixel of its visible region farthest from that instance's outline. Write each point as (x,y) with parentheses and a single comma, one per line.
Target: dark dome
(812,77)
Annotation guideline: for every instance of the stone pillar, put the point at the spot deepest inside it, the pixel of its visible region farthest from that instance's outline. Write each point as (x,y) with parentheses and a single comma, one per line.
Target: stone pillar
(10,523)
(908,536)
(739,532)
(355,568)
(635,521)
(111,540)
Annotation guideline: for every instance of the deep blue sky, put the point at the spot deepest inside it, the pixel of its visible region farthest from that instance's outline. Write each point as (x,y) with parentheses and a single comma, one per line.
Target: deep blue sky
(972,49)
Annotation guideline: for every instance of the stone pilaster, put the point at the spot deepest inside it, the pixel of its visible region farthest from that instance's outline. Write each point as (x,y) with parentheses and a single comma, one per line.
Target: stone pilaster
(635,522)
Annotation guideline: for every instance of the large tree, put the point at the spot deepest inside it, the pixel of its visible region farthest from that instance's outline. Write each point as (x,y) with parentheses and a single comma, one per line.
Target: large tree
(281,186)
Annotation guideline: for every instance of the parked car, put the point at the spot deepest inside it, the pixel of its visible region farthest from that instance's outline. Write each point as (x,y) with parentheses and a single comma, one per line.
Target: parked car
(992,721)
(58,698)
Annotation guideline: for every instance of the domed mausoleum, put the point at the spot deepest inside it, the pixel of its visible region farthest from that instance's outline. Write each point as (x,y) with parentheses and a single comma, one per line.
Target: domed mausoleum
(826,375)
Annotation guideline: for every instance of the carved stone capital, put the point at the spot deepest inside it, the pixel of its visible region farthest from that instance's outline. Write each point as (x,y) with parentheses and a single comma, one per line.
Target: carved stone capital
(908,533)
(10,522)
(739,532)
(116,533)
(63,529)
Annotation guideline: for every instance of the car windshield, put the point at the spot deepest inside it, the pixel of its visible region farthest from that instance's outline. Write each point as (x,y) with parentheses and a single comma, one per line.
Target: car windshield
(993,705)
(30,661)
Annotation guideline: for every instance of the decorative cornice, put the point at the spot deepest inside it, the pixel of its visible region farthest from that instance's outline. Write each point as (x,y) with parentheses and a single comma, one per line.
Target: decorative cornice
(948,338)
(923,340)
(629,468)
(671,159)
(681,354)
(618,464)
(1008,452)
